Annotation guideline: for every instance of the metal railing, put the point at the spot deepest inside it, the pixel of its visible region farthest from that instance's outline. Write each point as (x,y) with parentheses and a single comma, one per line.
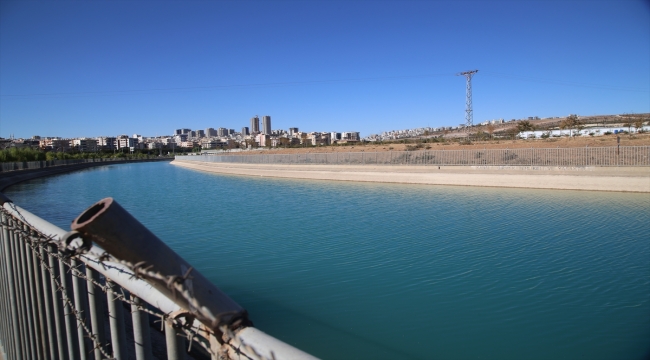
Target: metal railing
(64,297)
(562,157)
(25,165)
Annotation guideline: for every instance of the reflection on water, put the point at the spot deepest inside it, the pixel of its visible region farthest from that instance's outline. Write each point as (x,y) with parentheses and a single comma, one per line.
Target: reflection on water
(351,270)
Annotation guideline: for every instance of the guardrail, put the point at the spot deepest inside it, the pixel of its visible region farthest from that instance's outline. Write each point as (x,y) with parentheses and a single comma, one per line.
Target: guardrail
(25,165)
(563,157)
(59,289)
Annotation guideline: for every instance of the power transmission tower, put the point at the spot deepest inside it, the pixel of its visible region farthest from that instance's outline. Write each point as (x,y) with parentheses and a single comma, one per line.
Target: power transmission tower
(469,113)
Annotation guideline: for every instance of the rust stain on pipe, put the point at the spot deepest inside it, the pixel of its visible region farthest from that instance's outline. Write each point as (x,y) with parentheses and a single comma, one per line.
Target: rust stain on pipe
(125,238)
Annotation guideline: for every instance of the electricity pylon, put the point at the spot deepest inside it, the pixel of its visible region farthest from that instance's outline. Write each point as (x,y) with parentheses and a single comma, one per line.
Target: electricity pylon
(469,115)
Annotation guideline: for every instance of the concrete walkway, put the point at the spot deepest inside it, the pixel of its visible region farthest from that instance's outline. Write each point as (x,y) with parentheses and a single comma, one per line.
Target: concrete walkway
(625,179)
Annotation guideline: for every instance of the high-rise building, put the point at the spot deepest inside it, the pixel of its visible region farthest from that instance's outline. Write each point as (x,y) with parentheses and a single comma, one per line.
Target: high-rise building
(293,131)
(107,143)
(200,133)
(222,132)
(231,131)
(244,131)
(85,145)
(210,132)
(186,131)
(255,125)
(178,131)
(266,123)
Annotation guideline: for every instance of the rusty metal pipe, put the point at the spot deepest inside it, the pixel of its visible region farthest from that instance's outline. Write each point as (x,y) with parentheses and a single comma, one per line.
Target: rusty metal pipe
(125,238)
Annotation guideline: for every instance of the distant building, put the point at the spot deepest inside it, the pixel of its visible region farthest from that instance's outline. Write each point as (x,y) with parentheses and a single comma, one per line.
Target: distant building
(210,132)
(200,133)
(189,144)
(85,145)
(350,136)
(154,145)
(231,131)
(293,131)
(255,125)
(210,144)
(244,131)
(180,138)
(107,143)
(222,132)
(178,131)
(266,123)
(262,140)
(55,144)
(123,141)
(186,131)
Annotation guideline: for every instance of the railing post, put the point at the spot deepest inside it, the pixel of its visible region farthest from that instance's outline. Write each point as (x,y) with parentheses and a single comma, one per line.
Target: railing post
(57,305)
(175,341)
(40,301)
(5,336)
(34,312)
(96,307)
(68,315)
(116,319)
(17,350)
(141,336)
(23,295)
(80,298)
(48,305)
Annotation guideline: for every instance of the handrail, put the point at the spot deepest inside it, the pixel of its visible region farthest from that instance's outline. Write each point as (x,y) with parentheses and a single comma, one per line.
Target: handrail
(62,256)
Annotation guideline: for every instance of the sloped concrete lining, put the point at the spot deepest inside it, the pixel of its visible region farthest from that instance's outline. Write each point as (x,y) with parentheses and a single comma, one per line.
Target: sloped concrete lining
(620,179)
(13,177)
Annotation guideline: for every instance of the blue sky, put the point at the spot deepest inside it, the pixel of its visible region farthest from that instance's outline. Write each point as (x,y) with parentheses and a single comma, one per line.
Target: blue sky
(92,68)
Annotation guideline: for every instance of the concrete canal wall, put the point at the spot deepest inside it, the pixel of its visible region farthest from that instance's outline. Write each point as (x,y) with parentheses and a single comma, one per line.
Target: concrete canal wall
(8,178)
(622,179)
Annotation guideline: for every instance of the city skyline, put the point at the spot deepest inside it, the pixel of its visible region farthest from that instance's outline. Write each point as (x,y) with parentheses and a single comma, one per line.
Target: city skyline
(370,67)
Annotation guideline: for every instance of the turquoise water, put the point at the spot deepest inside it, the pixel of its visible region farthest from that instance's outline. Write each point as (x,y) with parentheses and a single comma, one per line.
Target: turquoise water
(383,271)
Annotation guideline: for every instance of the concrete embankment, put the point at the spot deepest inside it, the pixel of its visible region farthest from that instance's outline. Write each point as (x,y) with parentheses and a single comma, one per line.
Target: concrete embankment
(13,177)
(623,179)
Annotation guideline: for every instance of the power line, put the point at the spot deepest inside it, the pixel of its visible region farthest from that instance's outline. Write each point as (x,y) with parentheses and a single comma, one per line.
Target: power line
(302,83)
(561,82)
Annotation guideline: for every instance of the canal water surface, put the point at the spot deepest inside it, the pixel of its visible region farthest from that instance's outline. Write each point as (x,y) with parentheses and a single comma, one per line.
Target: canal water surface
(388,271)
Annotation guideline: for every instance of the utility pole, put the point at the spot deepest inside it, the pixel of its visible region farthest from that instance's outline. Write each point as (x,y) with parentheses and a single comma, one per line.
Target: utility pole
(469,115)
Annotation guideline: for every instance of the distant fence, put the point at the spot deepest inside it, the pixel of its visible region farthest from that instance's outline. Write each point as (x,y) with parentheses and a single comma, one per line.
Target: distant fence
(24,165)
(563,157)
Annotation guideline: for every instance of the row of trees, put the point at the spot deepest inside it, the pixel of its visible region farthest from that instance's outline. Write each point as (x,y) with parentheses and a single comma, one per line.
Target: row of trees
(30,154)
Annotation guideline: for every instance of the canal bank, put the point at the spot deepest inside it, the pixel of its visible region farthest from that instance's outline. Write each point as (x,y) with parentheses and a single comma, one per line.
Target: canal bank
(9,178)
(618,179)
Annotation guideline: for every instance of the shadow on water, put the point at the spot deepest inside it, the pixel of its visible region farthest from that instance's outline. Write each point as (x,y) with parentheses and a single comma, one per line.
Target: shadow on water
(332,342)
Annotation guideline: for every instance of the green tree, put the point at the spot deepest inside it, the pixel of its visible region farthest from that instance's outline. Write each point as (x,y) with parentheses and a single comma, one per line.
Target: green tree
(628,123)
(490,130)
(512,132)
(572,123)
(638,124)
(525,126)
